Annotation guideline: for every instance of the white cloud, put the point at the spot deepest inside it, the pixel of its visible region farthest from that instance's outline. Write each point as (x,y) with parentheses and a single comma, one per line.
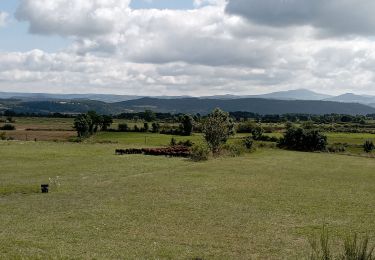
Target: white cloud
(73,17)
(3,18)
(195,52)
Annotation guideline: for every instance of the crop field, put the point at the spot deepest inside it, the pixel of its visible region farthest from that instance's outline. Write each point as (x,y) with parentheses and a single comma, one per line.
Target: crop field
(264,205)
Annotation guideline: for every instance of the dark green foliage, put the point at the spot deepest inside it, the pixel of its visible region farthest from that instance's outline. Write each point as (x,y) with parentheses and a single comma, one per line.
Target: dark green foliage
(149,116)
(199,153)
(123,127)
(248,142)
(8,127)
(336,148)
(257,132)
(82,125)
(94,122)
(299,139)
(368,146)
(89,123)
(3,136)
(106,122)
(187,124)
(173,142)
(146,127)
(217,128)
(155,127)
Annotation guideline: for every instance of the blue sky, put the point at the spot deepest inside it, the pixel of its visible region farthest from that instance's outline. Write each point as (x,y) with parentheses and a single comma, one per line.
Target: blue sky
(15,36)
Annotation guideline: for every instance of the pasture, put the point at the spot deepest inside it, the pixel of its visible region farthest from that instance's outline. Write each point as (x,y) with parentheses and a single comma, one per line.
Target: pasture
(264,205)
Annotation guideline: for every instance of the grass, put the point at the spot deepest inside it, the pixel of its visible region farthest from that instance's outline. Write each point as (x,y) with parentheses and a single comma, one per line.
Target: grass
(263,205)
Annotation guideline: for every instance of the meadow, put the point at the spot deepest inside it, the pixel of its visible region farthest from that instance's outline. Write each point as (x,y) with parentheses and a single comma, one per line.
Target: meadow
(262,205)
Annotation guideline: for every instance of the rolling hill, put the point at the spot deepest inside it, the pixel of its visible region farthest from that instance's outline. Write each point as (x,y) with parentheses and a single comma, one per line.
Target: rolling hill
(187,105)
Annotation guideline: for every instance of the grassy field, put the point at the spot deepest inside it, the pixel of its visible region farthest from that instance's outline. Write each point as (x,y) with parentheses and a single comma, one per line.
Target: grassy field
(264,205)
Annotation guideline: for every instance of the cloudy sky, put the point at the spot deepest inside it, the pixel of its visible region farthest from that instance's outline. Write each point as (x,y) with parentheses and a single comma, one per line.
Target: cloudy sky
(187,47)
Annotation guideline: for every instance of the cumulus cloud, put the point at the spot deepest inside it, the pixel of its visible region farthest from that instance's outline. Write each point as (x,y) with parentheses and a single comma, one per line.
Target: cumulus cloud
(3,18)
(203,51)
(336,17)
(72,17)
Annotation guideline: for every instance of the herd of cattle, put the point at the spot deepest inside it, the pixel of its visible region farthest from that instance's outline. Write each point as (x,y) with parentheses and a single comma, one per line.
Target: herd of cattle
(173,151)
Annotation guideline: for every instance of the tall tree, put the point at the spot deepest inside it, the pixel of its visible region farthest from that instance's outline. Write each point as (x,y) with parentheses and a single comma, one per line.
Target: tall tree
(217,128)
(187,124)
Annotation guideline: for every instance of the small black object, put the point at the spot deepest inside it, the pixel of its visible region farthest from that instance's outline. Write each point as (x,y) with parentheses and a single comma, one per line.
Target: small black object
(44,188)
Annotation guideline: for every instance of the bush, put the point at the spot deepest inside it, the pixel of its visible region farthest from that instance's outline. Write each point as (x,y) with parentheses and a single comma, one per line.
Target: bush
(368,146)
(8,127)
(123,127)
(233,150)
(3,136)
(336,148)
(186,143)
(173,142)
(248,142)
(199,153)
(300,139)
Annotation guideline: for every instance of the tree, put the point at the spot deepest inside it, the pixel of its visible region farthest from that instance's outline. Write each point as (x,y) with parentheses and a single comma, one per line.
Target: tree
(149,116)
(300,139)
(94,122)
(368,146)
(145,127)
(155,127)
(106,122)
(217,128)
(186,125)
(82,125)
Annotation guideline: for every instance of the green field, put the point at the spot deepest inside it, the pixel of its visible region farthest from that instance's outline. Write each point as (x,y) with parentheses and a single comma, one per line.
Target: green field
(264,205)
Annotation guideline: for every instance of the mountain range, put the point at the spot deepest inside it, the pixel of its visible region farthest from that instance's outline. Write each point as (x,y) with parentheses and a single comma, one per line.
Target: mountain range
(292,101)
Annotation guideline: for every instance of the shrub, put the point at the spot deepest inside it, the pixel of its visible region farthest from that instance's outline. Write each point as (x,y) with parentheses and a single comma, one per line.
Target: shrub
(336,148)
(8,127)
(123,127)
(199,153)
(3,136)
(368,146)
(248,142)
(173,142)
(186,143)
(300,139)
(257,132)
(233,150)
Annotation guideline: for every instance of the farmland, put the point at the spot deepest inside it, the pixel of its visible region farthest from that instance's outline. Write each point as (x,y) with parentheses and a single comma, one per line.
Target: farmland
(261,205)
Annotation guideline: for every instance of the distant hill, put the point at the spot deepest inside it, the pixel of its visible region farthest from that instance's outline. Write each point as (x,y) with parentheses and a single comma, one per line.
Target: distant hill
(297,94)
(187,105)
(255,105)
(294,101)
(352,98)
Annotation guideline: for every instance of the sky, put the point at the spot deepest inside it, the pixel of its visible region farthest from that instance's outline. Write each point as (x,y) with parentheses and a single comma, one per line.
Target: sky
(187,47)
